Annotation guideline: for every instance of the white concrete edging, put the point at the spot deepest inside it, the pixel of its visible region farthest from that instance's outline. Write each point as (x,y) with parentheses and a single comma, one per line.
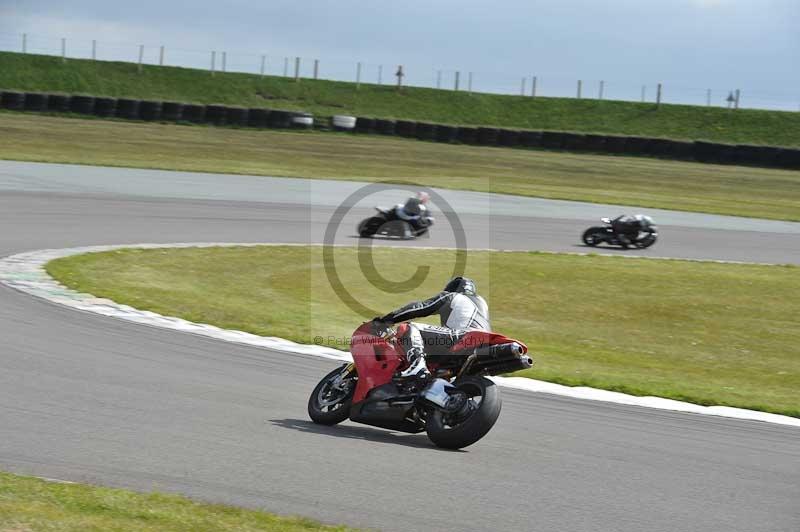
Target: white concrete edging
(25,272)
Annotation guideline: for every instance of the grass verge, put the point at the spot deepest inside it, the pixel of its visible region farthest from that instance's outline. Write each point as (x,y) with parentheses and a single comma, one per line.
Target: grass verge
(31,504)
(707,333)
(743,191)
(744,126)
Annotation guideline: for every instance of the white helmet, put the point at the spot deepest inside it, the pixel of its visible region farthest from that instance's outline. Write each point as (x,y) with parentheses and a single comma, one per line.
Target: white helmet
(644,220)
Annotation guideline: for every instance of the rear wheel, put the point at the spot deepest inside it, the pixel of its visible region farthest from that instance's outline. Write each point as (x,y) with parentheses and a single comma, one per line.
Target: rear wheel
(593,236)
(369,226)
(472,421)
(330,401)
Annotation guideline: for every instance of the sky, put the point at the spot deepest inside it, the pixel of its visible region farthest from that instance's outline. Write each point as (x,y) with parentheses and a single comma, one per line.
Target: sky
(688,45)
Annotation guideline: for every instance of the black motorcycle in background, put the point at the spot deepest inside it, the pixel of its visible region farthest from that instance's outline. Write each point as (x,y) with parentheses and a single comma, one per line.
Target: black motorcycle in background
(388,224)
(606,234)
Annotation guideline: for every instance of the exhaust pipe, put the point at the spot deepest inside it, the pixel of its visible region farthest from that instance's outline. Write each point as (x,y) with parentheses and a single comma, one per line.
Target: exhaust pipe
(510,350)
(509,366)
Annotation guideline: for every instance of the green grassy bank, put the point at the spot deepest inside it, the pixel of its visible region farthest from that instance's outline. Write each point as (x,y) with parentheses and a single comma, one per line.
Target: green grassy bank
(744,126)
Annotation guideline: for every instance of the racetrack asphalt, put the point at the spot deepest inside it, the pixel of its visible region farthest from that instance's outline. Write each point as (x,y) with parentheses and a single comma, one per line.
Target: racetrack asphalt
(92,399)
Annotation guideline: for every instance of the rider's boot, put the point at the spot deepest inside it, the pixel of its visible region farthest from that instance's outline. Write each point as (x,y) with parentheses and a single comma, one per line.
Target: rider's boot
(416,375)
(624,241)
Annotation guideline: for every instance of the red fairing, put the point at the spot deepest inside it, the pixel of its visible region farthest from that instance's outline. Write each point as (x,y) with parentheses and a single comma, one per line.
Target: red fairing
(376,360)
(474,339)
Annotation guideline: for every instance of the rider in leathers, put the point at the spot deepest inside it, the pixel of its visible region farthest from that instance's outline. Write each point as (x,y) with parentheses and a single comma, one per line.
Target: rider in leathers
(627,228)
(460,309)
(414,210)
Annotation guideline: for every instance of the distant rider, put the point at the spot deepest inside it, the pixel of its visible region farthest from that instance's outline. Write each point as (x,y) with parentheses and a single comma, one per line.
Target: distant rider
(414,210)
(460,310)
(627,228)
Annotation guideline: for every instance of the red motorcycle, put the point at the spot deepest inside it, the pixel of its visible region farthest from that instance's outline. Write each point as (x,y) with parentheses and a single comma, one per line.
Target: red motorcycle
(456,409)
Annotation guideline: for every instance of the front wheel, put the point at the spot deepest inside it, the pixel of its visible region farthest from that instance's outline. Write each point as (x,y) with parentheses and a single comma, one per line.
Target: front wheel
(470,423)
(646,241)
(330,401)
(594,236)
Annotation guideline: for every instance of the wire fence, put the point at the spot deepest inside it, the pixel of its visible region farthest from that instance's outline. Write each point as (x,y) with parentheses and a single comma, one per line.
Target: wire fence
(528,84)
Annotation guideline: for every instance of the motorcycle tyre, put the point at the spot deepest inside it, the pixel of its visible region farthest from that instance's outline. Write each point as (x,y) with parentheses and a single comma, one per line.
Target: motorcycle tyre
(476,426)
(329,418)
(593,231)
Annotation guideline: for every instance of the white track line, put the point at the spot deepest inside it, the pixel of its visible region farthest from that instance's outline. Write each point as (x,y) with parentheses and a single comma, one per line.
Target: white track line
(25,272)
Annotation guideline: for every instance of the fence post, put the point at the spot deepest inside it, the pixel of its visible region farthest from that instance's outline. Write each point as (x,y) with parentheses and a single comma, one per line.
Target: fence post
(213,62)
(438,79)
(533,87)
(644,89)
(141,56)
(380,74)
(708,97)
(297,69)
(316,68)
(602,86)
(399,75)
(736,101)
(358,75)
(469,83)
(285,67)
(24,43)
(522,87)
(224,61)
(63,50)
(580,86)
(161,56)
(458,75)
(263,64)
(94,50)
(658,95)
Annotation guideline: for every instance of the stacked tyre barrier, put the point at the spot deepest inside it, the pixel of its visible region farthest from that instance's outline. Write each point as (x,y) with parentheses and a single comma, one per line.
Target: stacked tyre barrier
(13,101)
(365,125)
(385,127)
(259,118)
(344,123)
(105,107)
(216,115)
(280,119)
(35,101)
(58,103)
(467,135)
(83,105)
(128,109)
(193,113)
(149,110)
(508,138)
(237,116)
(406,128)
(446,133)
(488,136)
(426,131)
(302,121)
(172,111)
